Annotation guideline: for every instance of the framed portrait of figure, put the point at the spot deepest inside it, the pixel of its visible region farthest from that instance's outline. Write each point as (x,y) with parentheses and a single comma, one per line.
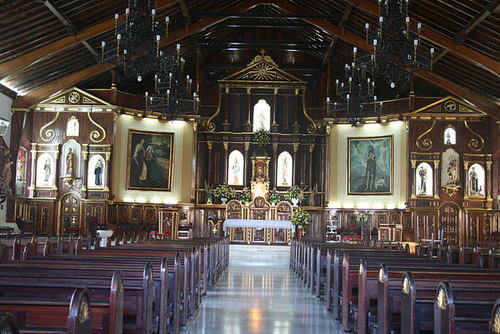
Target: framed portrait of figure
(370,165)
(96,172)
(150,160)
(45,170)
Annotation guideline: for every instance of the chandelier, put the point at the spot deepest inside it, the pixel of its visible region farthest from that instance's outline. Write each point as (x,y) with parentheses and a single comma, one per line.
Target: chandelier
(357,95)
(136,47)
(395,57)
(173,95)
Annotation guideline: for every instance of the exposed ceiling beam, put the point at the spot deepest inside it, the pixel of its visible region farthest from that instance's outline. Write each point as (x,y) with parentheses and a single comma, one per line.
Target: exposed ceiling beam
(475,57)
(286,16)
(342,24)
(480,102)
(17,64)
(38,95)
(480,17)
(194,40)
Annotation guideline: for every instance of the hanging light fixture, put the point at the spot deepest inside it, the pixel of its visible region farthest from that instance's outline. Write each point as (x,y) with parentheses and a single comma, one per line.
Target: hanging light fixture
(395,56)
(136,47)
(173,94)
(357,99)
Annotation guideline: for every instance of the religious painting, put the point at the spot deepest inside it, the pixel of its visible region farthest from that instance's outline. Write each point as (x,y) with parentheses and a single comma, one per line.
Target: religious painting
(476,181)
(236,168)
(423,179)
(450,176)
(150,160)
(369,168)
(96,172)
(285,170)
(45,171)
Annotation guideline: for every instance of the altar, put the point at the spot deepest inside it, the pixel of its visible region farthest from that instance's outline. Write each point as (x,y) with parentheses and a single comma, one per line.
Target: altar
(259,222)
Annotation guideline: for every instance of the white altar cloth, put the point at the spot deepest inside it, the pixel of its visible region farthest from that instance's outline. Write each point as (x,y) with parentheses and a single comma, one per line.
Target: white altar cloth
(258,223)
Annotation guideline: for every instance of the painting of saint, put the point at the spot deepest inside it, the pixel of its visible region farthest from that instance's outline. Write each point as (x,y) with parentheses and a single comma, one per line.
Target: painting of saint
(370,165)
(150,160)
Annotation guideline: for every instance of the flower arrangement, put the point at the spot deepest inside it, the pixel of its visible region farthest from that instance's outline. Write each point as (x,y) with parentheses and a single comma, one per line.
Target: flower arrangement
(274,196)
(293,193)
(262,137)
(224,191)
(301,217)
(245,195)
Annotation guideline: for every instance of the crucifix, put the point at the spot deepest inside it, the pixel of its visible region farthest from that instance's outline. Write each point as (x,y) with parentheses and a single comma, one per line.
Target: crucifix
(215,221)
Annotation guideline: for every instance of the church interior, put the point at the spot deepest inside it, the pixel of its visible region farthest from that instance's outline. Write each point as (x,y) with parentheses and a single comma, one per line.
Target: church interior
(256,122)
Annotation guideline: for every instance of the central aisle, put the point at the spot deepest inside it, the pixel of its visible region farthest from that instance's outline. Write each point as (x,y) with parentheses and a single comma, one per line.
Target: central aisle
(258,293)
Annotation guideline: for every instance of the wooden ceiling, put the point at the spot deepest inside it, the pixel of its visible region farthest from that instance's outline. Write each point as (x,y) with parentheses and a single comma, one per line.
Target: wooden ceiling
(50,45)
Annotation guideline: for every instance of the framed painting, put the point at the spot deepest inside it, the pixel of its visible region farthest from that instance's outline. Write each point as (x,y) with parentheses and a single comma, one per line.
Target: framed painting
(370,165)
(150,160)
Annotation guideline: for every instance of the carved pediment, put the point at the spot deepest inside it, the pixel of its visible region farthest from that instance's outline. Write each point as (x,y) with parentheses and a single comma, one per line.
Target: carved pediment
(449,107)
(73,97)
(262,69)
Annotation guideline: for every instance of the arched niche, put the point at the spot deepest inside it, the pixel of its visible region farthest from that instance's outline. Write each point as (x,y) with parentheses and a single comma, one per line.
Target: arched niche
(476,180)
(261,116)
(235,175)
(284,176)
(96,172)
(45,170)
(450,135)
(423,177)
(73,127)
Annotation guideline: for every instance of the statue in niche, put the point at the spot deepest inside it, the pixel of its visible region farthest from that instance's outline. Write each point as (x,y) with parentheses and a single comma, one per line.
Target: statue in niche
(98,172)
(452,171)
(69,162)
(47,167)
(475,189)
(422,172)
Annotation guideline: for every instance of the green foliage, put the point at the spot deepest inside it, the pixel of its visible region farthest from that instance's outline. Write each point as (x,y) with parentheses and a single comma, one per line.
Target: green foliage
(245,195)
(292,193)
(274,196)
(224,191)
(262,137)
(301,217)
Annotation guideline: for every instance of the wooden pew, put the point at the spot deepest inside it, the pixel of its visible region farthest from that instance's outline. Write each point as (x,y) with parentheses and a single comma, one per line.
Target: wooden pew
(142,288)
(495,318)
(465,309)
(106,292)
(57,315)
(418,295)
(8,324)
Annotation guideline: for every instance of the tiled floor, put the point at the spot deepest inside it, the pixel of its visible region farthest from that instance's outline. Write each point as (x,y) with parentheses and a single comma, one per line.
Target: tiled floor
(258,293)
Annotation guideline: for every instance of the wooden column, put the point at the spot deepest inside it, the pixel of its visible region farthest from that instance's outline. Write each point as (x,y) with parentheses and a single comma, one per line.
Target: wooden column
(274,172)
(226,158)
(311,150)
(437,173)
(247,175)
(31,187)
(210,177)
(295,162)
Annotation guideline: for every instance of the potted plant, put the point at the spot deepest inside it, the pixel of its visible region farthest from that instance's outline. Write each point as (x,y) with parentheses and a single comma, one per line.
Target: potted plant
(245,195)
(301,218)
(262,137)
(224,192)
(292,195)
(274,197)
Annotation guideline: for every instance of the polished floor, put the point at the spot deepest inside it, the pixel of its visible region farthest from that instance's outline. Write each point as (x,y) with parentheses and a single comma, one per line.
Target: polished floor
(258,293)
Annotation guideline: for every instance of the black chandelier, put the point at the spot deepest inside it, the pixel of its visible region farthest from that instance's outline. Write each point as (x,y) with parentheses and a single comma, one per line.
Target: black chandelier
(395,57)
(357,95)
(136,47)
(173,94)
